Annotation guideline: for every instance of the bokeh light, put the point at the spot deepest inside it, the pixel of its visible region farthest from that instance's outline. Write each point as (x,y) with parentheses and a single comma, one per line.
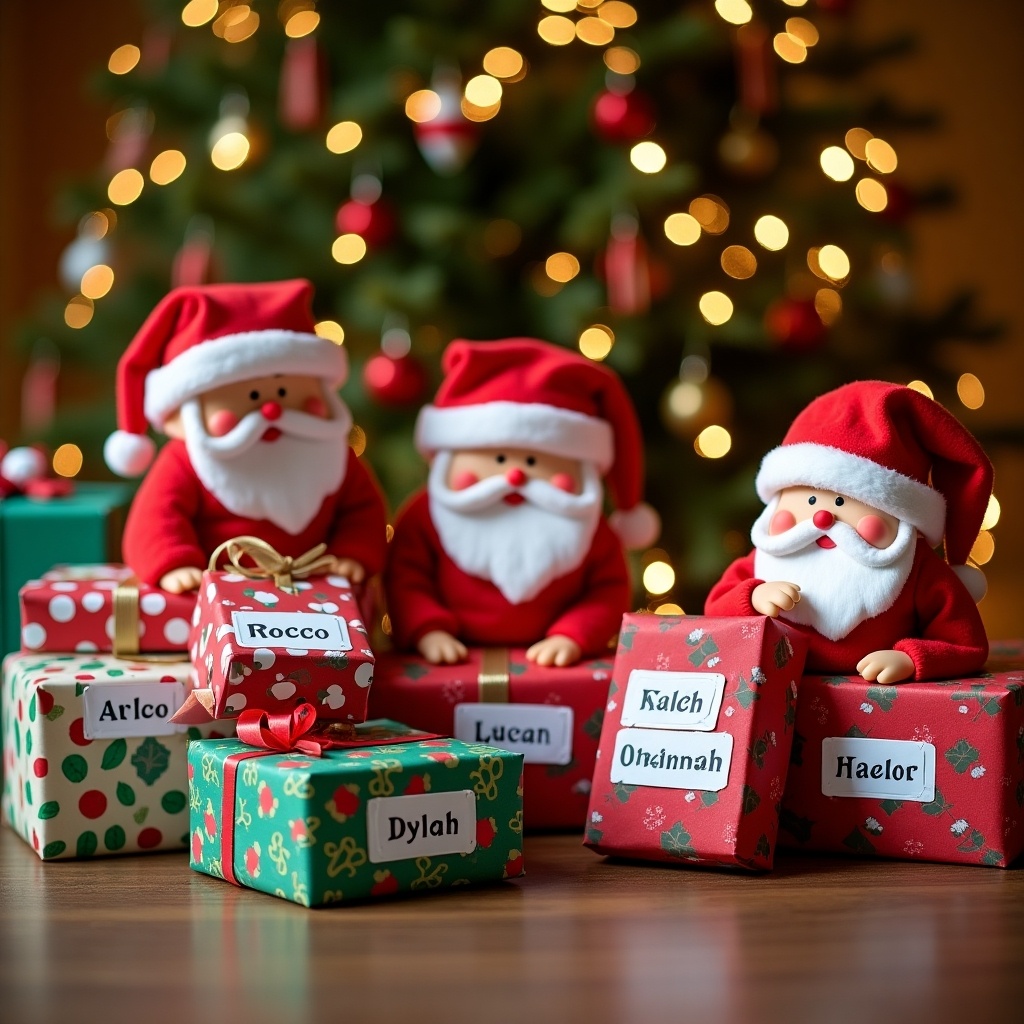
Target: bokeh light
(125,186)
(347,249)
(67,460)
(739,262)
(970,391)
(301,23)
(97,281)
(331,330)
(123,59)
(230,151)
(736,12)
(771,232)
(562,266)
(78,312)
(837,163)
(659,578)
(881,157)
(199,12)
(871,194)
(596,342)
(856,139)
(622,60)
(984,548)
(503,62)
(713,442)
(167,166)
(992,513)
(922,388)
(617,14)
(715,307)
(557,30)
(682,228)
(834,263)
(346,135)
(648,157)
(711,213)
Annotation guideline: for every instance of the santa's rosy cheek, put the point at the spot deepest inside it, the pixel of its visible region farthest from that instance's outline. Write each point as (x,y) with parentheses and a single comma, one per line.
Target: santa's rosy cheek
(782,521)
(463,480)
(564,482)
(873,530)
(314,405)
(221,422)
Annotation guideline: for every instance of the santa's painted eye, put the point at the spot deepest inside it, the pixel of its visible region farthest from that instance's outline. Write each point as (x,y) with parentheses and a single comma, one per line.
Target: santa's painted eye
(530,460)
(254,395)
(812,500)
(840,501)
(281,392)
(499,458)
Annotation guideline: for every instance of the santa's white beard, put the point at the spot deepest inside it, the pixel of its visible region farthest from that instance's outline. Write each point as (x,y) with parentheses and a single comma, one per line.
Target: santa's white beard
(840,587)
(284,481)
(519,548)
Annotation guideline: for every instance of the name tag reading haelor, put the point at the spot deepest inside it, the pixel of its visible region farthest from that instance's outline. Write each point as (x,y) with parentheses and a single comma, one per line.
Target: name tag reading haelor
(425,825)
(542,733)
(131,709)
(673,700)
(308,631)
(854,766)
(670,759)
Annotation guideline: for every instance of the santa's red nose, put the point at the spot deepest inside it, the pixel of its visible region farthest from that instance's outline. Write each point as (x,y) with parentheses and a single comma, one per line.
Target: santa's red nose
(271,410)
(516,477)
(822,519)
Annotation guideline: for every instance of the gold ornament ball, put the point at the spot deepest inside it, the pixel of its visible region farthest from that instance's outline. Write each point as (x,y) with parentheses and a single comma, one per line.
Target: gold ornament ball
(687,407)
(748,153)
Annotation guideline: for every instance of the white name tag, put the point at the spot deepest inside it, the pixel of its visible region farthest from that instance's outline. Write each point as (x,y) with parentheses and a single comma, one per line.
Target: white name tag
(293,630)
(672,760)
(892,769)
(426,825)
(131,709)
(673,700)
(542,733)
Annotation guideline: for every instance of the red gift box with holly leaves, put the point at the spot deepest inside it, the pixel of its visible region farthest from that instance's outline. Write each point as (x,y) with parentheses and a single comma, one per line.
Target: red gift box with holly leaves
(550,715)
(696,740)
(257,645)
(920,771)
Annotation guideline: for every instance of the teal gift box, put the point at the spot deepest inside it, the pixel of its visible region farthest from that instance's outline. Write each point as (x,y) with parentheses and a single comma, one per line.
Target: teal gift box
(84,527)
(389,811)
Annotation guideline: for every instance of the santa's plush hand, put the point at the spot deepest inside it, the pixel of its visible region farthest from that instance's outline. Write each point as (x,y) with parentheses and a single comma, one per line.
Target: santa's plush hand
(886,666)
(772,598)
(350,569)
(177,581)
(555,650)
(441,648)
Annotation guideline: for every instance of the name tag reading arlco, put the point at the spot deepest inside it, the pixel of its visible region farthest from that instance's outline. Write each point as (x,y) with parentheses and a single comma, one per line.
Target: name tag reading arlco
(307,631)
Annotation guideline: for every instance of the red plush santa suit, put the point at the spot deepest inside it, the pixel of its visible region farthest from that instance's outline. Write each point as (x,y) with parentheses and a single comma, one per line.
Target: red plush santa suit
(934,620)
(427,591)
(176,522)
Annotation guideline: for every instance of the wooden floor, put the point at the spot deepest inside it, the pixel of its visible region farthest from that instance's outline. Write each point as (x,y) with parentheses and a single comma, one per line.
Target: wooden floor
(580,938)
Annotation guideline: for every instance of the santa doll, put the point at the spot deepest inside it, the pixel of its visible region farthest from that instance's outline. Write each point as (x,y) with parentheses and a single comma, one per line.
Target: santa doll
(237,378)
(508,545)
(867,481)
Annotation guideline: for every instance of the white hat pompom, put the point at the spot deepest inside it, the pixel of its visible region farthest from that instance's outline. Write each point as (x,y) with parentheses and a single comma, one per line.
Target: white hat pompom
(23,465)
(637,527)
(128,455)
(973,579)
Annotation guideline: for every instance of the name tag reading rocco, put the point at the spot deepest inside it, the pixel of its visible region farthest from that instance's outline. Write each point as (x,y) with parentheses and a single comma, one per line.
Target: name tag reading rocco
(425,825)
(891,769)
(671,759)
(294,630)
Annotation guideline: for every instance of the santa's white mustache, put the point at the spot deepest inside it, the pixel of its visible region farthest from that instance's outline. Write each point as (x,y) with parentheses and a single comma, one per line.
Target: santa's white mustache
(491,492)
(252,427)
(846,538)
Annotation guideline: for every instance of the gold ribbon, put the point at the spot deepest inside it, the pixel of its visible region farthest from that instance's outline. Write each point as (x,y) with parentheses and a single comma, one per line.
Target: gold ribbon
(493,675)
(125,604)
(271,564)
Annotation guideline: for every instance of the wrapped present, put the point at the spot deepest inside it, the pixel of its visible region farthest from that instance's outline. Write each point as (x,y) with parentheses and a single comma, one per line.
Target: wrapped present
(102,608)
(267,639)
(92,763)
(84,526)
(344,813)
(550,715)
(696,740)
(920,771)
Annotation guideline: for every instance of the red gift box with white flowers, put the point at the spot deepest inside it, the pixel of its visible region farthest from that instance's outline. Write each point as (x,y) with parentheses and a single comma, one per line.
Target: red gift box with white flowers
(92,607)
(696,740)
(919,771)
(257,645)
(550,715)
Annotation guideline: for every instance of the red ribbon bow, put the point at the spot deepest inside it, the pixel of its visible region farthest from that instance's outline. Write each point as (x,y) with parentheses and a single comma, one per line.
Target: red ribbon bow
(282,731)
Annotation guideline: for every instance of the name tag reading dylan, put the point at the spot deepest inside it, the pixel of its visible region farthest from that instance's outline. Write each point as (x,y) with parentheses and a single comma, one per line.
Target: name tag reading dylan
(425,825)
(890,769)
(131,709)
(671,759)
(308,631)
(542,733)
(673,700)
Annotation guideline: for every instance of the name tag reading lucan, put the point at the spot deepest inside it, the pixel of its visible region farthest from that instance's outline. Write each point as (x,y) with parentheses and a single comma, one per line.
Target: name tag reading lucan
(291,630)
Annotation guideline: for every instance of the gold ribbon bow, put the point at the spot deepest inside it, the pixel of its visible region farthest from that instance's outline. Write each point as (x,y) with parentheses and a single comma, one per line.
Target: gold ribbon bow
(271,564)
(493,675)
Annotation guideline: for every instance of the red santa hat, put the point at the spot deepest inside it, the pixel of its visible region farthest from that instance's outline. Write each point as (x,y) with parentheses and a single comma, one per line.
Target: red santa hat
(205,336)
(526,393)
(898,450)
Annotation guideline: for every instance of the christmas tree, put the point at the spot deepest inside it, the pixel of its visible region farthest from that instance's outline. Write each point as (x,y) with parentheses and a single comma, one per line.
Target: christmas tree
(692,192)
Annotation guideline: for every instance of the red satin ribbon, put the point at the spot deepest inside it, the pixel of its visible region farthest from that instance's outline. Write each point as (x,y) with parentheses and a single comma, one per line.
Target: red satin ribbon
(282,731)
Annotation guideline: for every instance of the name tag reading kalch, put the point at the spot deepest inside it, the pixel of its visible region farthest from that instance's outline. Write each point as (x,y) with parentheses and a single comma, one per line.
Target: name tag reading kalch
(673,700)
(293,630)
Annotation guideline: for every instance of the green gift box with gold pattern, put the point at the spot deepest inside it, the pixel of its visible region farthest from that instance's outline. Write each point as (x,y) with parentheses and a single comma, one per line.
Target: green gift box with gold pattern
(391,810)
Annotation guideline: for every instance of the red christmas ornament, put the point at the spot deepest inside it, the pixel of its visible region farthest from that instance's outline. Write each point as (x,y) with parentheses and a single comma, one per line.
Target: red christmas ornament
(623,117)
(794,325)
(627,270)
(394,381)
(375,221)
(303,87)
(448,140)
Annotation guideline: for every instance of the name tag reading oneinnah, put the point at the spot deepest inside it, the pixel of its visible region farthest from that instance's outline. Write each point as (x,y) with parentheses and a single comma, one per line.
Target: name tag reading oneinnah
(307,631)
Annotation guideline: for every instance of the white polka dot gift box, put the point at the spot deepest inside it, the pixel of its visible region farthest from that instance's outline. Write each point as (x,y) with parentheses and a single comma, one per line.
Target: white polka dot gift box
(102,608)
(273,643)
(92,763)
